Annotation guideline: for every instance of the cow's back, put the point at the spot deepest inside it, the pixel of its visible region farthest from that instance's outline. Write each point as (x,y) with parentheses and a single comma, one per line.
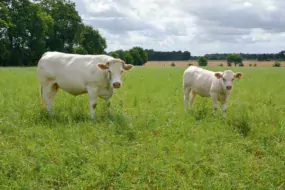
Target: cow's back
(198,79)
(57,61)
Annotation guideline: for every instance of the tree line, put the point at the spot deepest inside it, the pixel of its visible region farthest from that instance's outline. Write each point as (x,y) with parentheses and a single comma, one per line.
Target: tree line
(28,29)
(167,55)
(231,59)
(247,56)
(186,55)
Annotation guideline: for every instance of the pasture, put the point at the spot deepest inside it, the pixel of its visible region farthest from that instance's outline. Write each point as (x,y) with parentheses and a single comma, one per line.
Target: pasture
(146,141)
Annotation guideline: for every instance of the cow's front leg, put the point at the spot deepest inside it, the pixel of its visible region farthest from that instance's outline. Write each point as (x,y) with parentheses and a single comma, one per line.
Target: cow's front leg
(93,94)
(214,97)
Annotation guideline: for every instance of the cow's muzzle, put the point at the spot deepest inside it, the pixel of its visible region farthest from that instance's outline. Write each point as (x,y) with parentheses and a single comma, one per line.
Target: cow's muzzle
(116,85)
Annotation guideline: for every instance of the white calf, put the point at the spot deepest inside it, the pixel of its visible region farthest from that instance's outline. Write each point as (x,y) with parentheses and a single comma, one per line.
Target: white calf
(76,74)
(206,83)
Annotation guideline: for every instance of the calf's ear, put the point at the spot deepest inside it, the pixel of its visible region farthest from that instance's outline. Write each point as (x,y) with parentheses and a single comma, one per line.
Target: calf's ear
(128,67)
(218,75)
(238,75)
(102,66)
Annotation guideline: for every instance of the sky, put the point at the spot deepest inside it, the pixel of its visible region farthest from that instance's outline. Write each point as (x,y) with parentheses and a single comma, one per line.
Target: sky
(198,26)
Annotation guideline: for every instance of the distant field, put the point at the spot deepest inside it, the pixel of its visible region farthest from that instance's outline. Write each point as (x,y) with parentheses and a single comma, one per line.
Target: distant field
(212,63)
(147,141)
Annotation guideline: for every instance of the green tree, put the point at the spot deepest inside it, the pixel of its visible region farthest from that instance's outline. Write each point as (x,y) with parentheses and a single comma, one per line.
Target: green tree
(92,41)
(121,54)
(5,23)
(129,58)
(79,50)
(186,55)
(27,33)
(139,55)
(29,28)
(202,61)
(142,53)
(114,54)
(40,27)
(67,27)
(136,56)
(234,58)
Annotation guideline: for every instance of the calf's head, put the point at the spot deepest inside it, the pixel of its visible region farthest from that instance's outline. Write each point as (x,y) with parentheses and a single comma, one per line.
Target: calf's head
(115,68)
(227,77)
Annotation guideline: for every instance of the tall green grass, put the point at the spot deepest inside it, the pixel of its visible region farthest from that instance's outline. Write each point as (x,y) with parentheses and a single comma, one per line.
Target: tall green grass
(146,140)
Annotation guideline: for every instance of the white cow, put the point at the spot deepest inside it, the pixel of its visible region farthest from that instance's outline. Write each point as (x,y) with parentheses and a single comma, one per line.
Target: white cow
(206,83)
(76,74)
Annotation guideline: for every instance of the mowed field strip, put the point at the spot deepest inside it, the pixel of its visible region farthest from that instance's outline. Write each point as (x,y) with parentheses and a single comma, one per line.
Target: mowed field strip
(146,141)
(213,63)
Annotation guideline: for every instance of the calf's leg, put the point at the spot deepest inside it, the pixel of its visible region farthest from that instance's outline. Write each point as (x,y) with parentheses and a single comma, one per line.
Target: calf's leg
(224,108)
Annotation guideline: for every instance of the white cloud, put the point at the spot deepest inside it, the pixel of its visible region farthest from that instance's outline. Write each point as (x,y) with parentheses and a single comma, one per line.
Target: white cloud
(204,26)
(247,4)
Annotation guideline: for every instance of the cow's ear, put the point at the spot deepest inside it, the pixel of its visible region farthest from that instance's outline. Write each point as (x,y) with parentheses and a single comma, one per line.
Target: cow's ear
(238,75)
(128,67)
(218,75)
(103,66)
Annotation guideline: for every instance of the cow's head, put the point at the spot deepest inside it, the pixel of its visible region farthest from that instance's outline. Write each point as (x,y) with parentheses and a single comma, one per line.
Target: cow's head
(115,68)
(227,77)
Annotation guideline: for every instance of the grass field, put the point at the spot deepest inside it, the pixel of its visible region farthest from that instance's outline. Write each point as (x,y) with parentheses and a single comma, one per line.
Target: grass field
(147,141)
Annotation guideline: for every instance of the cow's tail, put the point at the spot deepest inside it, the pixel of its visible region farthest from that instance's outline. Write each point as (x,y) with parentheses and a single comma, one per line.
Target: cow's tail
(41,96)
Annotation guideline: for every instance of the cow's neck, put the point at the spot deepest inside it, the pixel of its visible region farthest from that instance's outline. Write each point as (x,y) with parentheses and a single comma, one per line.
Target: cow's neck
(223,90)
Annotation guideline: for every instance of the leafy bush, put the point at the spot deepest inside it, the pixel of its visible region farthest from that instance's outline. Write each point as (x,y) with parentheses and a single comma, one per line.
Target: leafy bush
(250,65)
(241,64)
(255,65)
(276,64)
(202,61)
(190,64)
(221,65)
(172,64)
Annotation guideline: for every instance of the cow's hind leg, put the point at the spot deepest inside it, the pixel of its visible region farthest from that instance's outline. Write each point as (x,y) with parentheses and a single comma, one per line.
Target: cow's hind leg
(186,96)
(214,98)
(49,90)
(192,98)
